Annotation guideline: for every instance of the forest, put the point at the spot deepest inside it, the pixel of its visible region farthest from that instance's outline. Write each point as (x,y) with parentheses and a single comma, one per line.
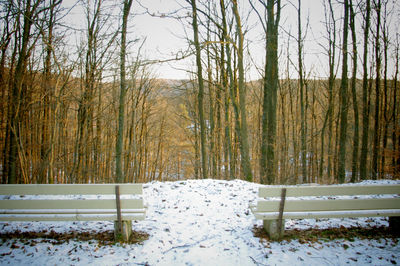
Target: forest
(84,105)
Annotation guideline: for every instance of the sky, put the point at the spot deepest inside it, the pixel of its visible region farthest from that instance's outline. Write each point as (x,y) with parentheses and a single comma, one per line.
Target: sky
(165,37)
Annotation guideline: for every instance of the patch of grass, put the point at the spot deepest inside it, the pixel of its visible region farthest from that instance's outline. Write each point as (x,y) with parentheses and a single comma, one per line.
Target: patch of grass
(103,238)
(138,237)
(316,235)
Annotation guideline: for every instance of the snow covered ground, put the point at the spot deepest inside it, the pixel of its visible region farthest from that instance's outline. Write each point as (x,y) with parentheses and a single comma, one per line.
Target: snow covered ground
(198,222)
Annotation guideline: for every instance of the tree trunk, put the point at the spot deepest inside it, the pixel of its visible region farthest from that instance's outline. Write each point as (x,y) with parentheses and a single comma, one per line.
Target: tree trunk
(375,147)
(343,101)
(119,150)
(229,165)
(200,95)
(213,162)
(396,144)
(267,162)
(365,110)
(354,171)
(331,84)
(303,152)
(47,91)
(244,142)
(385,111)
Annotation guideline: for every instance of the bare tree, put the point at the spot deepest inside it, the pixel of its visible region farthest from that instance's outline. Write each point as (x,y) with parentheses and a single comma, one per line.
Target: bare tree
(267,161)
(27,13)
(201,89)
(354,174)
(395,134)
(8,22)
(365,109)
(375,146)
(303,98)
(343,99)
(224,76)
(97,54)
(244,142)
(121,114)
(385,107)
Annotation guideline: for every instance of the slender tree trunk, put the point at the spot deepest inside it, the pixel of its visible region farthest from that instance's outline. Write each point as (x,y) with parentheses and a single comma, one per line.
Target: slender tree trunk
(284,150)
(321,162)
(385,111)
(197,168)
(201,91)
(330,23)
(267,162)
(233,97)
(291,117)
(343,101)
(213,162)
(229,165)
(98,151)
(244,142)
(119,150)
(331,84)
(303,152)
(395,111)
(218,102)
(365,110)
(354,174)
(375,147)
(47,91)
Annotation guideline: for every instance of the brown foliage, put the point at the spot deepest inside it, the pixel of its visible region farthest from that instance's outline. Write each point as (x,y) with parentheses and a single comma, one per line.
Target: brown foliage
(103,238)
(318,235)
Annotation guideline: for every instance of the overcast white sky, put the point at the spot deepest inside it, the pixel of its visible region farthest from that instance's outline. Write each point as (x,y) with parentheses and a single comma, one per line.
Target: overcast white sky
(166,36)
(163,41)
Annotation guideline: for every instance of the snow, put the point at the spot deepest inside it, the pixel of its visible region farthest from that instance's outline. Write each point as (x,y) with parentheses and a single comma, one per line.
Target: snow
(199,222)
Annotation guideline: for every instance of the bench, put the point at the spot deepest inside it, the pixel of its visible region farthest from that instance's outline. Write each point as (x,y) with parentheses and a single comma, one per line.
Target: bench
(74,202)
(328,201)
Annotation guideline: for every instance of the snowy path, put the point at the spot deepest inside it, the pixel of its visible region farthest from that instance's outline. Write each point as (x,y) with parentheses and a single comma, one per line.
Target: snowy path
(202,222)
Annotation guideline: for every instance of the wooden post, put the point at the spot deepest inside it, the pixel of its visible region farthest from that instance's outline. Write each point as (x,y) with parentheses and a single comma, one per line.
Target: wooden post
(275,228)
(118,201)
(281,208)
(123,232)
(122,229)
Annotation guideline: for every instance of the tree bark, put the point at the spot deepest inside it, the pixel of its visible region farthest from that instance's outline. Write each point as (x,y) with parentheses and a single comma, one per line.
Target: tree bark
(303,152)
(200,95)
(119,150)
(396,144)
(212,151)
(354,171)
(385,111)
(331,85)
(365,109)
(267,161)
(244,142)
(375,146)
(343,100)
(229,169)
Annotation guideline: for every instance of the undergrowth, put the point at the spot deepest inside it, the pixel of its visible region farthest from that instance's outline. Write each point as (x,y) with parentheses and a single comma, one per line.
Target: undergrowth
(320,235)
(103,238)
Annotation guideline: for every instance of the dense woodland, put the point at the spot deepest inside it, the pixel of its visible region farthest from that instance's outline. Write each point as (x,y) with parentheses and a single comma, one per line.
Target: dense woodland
(94,111)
